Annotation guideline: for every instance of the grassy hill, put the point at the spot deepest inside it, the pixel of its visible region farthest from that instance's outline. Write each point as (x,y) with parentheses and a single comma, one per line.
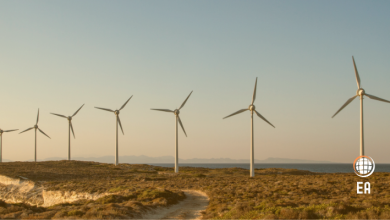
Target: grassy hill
(272,193)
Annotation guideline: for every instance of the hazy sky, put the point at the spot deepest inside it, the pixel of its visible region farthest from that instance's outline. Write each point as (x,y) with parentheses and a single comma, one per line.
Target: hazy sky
(57,55)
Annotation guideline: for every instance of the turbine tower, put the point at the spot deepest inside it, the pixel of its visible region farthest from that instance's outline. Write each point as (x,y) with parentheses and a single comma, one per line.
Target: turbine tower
(36,127)
(70,127)
(177,112)
(118,121)
(1,142)
(360,92)
(252,109)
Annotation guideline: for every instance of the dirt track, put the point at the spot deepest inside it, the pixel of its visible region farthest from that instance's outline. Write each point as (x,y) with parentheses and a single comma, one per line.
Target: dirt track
(190,208)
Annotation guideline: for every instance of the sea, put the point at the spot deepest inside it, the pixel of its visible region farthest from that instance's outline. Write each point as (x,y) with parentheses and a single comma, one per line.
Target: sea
(321,168)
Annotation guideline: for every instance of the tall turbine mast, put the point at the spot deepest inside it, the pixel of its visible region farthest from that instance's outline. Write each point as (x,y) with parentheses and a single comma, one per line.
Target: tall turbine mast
(1,142)
(69,128)
(177,119)
(360,92)
(36,128)
(251,108)
(118,121)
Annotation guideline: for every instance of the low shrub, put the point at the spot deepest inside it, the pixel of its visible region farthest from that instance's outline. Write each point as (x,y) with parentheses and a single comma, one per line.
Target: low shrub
(75,213)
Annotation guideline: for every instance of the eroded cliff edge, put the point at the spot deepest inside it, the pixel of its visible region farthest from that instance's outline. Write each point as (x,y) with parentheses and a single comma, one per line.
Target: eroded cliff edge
(23,190)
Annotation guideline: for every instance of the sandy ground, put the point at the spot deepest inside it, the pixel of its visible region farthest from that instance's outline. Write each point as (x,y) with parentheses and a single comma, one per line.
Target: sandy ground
(189,208)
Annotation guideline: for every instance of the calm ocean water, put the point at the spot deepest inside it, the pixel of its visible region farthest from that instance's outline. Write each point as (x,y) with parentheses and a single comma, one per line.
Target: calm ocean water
(322,168)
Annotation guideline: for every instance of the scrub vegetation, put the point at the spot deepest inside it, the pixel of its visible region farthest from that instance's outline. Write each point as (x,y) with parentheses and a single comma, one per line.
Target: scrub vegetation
(272,194)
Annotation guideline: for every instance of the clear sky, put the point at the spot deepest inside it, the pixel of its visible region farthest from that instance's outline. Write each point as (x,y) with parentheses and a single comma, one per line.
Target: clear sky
(57,55)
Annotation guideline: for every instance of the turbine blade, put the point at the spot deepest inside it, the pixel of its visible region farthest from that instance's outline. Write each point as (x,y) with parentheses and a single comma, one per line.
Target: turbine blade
(59,115)
(345,104)
(11,130)
(125,103)
(377,98)
(26,130)
(120,125)
(71,128)
(356,73)
(164,110)
(258,114)
(37,117)
(105,109)
(254,92)
(182,126)
(237,112)
(78,110)
(182,105)
(44,133)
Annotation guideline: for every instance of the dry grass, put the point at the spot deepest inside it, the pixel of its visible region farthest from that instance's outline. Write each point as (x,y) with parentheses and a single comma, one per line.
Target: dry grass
(271,194)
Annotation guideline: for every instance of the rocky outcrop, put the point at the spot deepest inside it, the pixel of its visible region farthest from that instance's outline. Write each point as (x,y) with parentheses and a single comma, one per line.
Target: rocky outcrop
(22,190)
(17,190)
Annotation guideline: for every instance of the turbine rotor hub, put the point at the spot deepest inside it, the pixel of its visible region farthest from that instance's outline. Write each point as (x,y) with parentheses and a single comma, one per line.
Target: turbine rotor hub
(35,126)
(360,92)
(176,112)
(69,118)
(252,107)
(1,131)
(116,112)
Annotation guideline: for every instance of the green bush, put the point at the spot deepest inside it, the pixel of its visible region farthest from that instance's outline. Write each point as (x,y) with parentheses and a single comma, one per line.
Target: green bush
(117,189)
(75,213)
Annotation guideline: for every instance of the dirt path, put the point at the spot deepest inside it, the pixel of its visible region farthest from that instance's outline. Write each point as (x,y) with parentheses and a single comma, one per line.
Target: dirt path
(189,208)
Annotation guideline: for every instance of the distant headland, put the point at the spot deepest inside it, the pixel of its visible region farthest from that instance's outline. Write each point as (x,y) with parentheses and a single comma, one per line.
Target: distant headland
(170,159)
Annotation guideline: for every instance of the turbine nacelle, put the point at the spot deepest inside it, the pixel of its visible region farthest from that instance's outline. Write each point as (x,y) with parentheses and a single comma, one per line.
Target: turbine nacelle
(360,92)
(176,112)
(177,121)
(1,131)
(36,128)
(118,122)
(69,118)
(251,108)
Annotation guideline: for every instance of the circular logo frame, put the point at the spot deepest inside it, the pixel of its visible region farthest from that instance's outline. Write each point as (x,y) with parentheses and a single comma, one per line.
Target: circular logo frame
(368,174)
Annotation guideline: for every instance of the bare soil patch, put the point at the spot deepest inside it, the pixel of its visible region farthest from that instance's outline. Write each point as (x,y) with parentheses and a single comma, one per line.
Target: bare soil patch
(189,208)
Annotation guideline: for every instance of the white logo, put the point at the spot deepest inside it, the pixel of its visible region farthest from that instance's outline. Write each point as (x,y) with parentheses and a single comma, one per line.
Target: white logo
(364,166)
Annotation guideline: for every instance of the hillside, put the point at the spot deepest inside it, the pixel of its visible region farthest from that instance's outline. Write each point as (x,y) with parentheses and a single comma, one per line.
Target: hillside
(97,190)
(170,159)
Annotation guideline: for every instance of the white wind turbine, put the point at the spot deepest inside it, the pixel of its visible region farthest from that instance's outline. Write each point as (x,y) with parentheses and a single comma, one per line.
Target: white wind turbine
(70,127)
(360,92)
(176,112)
(118,121)
(1,142)
(252,109)
(36,127)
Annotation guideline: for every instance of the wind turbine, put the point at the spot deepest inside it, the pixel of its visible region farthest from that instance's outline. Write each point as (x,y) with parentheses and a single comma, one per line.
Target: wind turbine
(70,127)
(118,121)
(252,109)
(1,142)
(36,127)
(360,92)
(176,112)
